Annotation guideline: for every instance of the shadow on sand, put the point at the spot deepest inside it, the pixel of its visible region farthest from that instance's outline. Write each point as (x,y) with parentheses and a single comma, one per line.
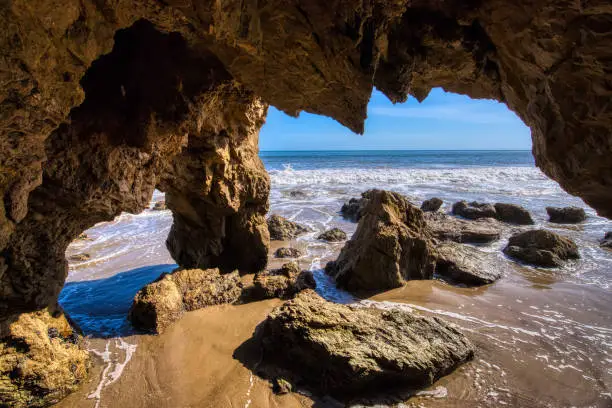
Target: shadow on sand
(100,307)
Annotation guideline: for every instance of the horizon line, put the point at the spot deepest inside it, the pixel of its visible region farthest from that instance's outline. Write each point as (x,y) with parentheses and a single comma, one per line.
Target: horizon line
(398,150)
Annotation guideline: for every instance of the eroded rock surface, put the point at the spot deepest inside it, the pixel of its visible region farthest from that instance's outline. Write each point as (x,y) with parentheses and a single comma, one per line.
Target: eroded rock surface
(282,283)
(350,352)
(566,215)
(447,228)
(474,210)
(281,229)
(432,204)
(352,210)
(160,206)
(465,265)
(541,248)
(287,253)
(160,303)
(333,235)
(392,244)
(102,102)
(606,242)
(513,213)
(41,360)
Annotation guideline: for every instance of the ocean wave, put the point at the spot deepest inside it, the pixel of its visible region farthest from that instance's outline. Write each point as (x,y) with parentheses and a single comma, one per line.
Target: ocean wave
(503,179)
(289,176)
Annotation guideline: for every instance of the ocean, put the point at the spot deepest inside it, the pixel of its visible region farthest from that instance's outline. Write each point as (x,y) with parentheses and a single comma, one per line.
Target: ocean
(547,332)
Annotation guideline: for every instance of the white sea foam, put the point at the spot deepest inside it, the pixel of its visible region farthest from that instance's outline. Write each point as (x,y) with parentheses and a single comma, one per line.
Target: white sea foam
(522,180)
(114,368)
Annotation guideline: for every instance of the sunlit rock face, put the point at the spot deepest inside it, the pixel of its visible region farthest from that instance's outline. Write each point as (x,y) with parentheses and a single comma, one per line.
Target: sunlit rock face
(101,102)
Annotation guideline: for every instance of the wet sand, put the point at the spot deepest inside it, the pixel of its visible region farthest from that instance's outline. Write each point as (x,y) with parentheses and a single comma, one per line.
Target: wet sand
(543,337)
(192,365)
(532,349)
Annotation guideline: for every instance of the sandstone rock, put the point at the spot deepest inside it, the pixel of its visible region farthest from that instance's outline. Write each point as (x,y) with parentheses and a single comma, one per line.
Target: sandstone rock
(83,237)
(351,210)
(282,283)
(333,235)
(541,248)
(607,241)
(103,104)
(446,228)
(160,206)
(281,386)
(281,229)
(297,194)
(79,257)
(474,210)
(157,305)
(287,253)
(566,215)
(465,265)
(391,244)
(41,360)
(433,204)
(349,351)
(513,213)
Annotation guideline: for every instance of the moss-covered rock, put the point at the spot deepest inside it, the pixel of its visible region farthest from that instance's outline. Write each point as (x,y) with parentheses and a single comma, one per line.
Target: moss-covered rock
(42,359)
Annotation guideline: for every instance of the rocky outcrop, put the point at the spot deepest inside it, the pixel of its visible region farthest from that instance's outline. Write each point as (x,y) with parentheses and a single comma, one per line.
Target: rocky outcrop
(433,204)
(474,210)
(281,229)
(352,209)
(606,242)
(566,215)
(333,235)
(446,228)
(351,352)
(79,257)
(541,248)
(287,253)
(102,102)
(465,265)
(159,206)
(160,303)
(41,360)
(392,244)
(282,283)
(513,213)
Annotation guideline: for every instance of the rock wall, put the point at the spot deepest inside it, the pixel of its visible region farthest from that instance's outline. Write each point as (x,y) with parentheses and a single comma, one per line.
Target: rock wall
(103,101)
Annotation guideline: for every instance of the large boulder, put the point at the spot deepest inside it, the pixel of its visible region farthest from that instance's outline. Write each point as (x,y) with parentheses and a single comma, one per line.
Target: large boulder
(446,228)
(513,213)
(333,235)
(159,206)
(566,215)
(474,210)
(281,229)
(42,359)
(433,204)
(285,252)
(392,244)
(352,209)
(282,283)
(349,351)
(541,248)
(157,305)
(466,265)
(607,241)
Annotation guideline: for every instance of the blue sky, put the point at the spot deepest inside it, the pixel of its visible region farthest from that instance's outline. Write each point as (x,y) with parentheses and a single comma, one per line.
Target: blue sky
(443,121)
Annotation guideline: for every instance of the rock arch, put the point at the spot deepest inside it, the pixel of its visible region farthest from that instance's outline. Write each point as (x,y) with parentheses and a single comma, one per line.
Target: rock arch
(103,101)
